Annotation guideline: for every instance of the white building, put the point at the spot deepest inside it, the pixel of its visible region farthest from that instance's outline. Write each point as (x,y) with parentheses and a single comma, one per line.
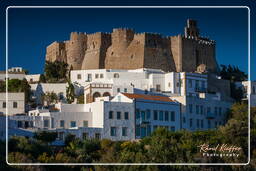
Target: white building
(32,78)
(42,88)
(15,105)
(12,74)
(249,90)
(151,112)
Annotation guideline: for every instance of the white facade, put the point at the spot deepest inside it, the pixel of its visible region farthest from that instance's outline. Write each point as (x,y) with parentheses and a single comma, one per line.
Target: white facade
(32,78)
(249,90)
(42,88)
(151,112)
(15,105)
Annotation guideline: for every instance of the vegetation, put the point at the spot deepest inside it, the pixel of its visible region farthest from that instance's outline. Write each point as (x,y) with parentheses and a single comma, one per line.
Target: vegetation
(16,85)
(70,92)
(233,74)
(162,146)
(55,72)
(80,99)
(49,98)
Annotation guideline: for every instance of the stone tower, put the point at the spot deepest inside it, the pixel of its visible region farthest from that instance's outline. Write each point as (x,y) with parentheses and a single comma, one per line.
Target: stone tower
(126,49)
(95,53)
(76,47)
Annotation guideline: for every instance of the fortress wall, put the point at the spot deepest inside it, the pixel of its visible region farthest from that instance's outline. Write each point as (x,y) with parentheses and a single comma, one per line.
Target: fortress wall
(176,50)
(76,47)
(95,53)
(56,52)
(132,57)
(196,52)
(158,53)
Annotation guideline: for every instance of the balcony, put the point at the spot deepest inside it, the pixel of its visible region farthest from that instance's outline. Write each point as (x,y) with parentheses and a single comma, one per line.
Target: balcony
(210,116)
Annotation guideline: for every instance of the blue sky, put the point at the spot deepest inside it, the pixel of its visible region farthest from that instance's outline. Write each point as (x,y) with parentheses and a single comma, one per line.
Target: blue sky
(32,30)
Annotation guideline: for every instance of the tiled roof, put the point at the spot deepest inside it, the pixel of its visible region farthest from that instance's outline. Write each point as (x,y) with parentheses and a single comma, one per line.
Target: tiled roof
(148,97)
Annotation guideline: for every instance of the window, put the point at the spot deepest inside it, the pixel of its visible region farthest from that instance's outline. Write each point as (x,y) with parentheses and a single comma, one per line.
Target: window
(137,113)
(215,110)
(220,112)
(169,84)
(143,116)
(101,76)
(19,124)
(15,104)
(202,123)
(190,108)
(113,131)
(191,123)
(203,84)
(148,114)
(190,83)
(97,136)
(155,115)
(118,90)
(184,120)
(73,124)
(96,76)
(46,123)
(208,110)
(148,129)
(85,123)
(124,131)
(197,84)
(155,127)
(202,110)
(166,116)
(216,124)
(118,115)
(110,115)
(116,75)
(253,90)
(126,115)
(137,130)
(79,76)
(4,104)
(197,123)
(172,116)
(197,109)
(172,128)
(62,123)
(158,87)
(209,124)
(89,77)
(125,90)
(161,115)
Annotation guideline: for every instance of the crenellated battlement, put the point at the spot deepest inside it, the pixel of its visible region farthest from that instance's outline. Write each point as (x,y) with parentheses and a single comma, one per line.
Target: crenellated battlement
(123,48)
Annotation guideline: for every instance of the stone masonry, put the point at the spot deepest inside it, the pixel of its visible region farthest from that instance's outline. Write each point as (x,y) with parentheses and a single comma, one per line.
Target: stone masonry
(125,49)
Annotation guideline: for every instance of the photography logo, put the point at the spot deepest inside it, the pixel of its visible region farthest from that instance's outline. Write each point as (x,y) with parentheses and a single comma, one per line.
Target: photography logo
(220,150)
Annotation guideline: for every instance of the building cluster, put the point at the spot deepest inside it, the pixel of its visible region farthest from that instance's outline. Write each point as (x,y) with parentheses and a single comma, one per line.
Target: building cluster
(131,84)
(121,104)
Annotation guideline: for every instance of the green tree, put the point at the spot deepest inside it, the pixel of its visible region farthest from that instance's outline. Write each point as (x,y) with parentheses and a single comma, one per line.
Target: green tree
(70,92)
(49,98)
(45,136)
(56,71)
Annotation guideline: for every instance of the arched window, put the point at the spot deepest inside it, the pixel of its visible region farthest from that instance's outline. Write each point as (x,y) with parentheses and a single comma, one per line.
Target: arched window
(106,94)
(116,75)
(95,95)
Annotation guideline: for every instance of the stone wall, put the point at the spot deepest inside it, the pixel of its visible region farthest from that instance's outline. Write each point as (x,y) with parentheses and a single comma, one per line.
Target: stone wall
(125,49)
